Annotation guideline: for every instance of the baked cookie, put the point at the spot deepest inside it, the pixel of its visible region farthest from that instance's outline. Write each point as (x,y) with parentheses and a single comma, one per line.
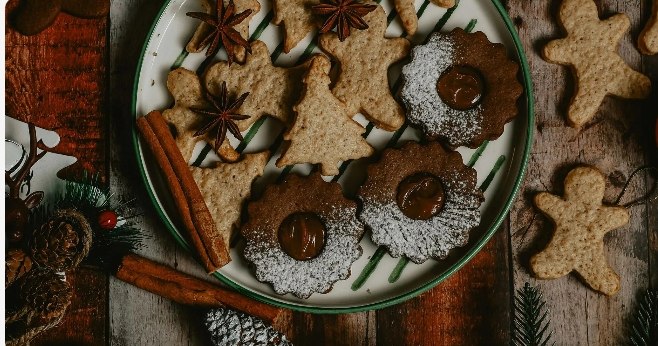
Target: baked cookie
(420,201)
(296,18)
(590,49)
(226,186)
(185,87)
(581,220)
(195,45)
(273,90)
(461,88)
(648,42)
(302,235)
(321,123)
(408,16)
(365,57)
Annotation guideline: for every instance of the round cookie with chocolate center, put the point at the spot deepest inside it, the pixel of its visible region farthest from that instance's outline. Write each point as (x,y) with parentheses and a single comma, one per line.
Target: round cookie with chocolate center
(460,87)
(420,201)
(302,235)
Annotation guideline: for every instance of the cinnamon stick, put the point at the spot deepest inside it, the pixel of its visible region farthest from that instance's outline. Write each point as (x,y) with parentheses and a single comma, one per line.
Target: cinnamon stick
(188,200)
(185,289)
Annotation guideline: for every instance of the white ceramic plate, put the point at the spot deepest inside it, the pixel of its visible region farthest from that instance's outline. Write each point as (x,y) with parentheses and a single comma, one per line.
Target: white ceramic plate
(500,164)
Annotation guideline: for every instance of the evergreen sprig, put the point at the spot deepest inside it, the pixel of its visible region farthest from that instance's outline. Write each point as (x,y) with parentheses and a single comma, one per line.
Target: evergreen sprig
(644,330)
(531,322)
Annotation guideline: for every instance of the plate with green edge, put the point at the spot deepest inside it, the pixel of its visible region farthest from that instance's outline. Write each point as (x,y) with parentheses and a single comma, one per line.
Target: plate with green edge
(377,279)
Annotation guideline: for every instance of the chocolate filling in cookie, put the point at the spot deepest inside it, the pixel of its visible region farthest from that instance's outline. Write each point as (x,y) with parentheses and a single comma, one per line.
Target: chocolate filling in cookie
(302,235)
(420,201)
(460,87)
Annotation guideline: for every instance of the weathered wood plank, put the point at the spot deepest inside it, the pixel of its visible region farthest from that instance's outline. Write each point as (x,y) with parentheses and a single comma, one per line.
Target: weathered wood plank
(472,307)
(611,143)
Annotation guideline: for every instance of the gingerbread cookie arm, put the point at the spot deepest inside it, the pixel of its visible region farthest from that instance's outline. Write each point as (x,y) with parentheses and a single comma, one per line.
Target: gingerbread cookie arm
(648,42)
(185,87)
(551,205)
(554,52)
(609,218)
(399,48)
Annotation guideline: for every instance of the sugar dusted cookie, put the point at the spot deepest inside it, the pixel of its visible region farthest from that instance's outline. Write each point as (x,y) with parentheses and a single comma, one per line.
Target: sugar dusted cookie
(302,235)
(461,88)
(581,220)
(365,57)
(590,49)
(273,90)
(323,131)
(420,201)
(648,42)
(185,87)
(296,18)
(196,43)
(226,186)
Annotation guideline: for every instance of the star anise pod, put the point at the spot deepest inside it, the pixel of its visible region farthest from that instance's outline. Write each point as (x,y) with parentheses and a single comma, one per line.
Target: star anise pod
(222,115)
(343,14)
(222,23)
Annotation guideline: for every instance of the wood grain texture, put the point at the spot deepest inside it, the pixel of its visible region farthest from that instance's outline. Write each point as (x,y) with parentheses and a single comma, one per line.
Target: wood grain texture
(57,80)
(613,143)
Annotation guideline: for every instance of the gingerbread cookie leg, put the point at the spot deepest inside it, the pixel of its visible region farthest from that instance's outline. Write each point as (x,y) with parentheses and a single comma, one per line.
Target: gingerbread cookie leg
(648,42)
(598,274)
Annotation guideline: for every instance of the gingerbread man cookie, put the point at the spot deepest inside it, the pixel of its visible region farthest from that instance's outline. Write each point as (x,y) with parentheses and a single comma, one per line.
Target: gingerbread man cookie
(408,16)
(648,42)
(590,49)
(34,16)
(273,90)
(322,121)
(365,57)
(581,220)
(185,87)
(296,18)
(195,45)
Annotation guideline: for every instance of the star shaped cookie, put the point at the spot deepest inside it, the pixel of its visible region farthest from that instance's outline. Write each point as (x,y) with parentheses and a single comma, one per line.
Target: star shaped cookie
(185,87)
(194,45)
(273,90)
(581,220)
(365,57)
(296,18)
(648,42)
(323,131)
(590,48)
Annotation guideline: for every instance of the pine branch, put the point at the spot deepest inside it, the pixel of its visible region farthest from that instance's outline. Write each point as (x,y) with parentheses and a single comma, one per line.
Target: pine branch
(644,330)
(531,322)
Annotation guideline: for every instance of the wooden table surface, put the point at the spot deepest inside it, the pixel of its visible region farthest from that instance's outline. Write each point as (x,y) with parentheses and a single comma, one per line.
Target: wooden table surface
(474,306)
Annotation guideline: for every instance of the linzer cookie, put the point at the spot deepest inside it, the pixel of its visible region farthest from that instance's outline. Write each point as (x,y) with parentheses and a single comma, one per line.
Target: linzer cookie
(188,121)
(273,90)
(581,221)
(302,235)
(365,56)
(590,49)
(227,24)
(461,88)
(407,12)
(296,18)
(648,42)
(322,121)
(420,201)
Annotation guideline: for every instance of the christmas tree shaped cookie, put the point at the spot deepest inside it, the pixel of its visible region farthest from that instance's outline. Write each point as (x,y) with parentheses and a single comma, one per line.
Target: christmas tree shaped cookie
(296,18)
(273,90)
(364,58)
(185,87)
(323,131)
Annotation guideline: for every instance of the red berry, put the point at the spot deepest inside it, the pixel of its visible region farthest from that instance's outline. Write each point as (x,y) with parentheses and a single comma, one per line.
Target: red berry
(107,219)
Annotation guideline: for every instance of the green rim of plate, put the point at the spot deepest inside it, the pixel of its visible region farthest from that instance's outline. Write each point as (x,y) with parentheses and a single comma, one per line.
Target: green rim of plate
(530,101)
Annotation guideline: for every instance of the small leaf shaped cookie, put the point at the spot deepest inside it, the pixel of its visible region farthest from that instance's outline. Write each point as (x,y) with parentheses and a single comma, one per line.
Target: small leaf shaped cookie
(407,12)
(590,48)
(365,57)
(273,90)
(323,131)
(581,220)
(648,42)
(296,18)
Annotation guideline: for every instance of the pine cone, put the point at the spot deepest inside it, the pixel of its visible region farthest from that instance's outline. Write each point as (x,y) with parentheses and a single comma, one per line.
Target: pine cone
(35,303)
(228,327)
(17,263)
(62,242)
